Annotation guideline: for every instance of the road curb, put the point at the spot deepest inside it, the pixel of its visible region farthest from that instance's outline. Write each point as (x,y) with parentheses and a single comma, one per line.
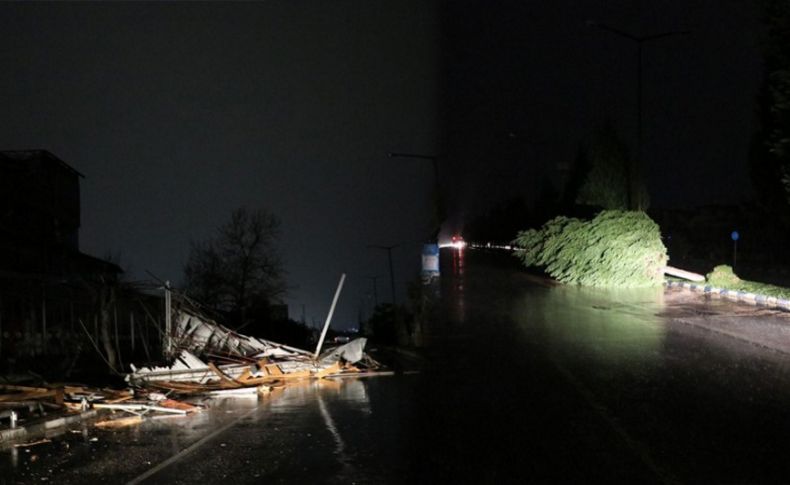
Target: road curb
(40,428)
(751,298)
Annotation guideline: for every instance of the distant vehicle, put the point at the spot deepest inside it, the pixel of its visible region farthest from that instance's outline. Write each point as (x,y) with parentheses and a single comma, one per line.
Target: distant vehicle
(458,242)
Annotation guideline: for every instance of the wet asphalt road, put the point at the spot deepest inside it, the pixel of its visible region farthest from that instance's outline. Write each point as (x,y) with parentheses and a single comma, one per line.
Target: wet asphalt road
(521,382)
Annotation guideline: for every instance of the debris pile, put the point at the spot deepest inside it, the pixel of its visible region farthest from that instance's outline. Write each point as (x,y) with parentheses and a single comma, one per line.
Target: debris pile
(151,404)
(209,360)
(214,359)
(26,402)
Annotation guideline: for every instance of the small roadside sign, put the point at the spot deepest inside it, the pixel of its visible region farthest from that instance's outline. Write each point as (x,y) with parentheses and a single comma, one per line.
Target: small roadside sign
(430,261)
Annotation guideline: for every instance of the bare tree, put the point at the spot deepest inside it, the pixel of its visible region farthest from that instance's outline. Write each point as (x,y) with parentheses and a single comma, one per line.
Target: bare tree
(240,266)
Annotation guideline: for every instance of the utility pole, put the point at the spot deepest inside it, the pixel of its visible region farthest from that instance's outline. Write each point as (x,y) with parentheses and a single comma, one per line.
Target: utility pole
(375,290)
(392,273)
(632,168)
(168,322)
(44,318)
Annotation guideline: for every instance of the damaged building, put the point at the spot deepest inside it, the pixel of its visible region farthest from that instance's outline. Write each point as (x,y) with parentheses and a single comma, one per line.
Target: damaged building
(51,293)
(207,356)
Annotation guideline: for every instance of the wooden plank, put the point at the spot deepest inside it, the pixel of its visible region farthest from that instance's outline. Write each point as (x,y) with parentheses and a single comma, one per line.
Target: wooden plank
(224,379)
(273,369)
(361,374)
(11,387)
(299,374)
(120,422)
(26,396)
(332,369)
(184,387)
(32,443)
(173,404)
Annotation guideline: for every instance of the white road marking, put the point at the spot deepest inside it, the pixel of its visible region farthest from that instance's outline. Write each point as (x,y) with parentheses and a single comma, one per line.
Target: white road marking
(189,449)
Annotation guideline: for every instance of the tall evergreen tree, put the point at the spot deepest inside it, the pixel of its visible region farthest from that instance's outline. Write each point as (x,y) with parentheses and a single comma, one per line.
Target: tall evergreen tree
(770,154)
(576,177)
(610,174)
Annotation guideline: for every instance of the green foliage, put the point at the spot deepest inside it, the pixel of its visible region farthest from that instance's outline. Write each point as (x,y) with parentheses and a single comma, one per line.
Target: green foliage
(615,249)
(723,277)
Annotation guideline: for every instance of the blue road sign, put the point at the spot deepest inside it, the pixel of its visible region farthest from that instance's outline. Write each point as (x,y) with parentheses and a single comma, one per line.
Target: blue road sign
(430,260)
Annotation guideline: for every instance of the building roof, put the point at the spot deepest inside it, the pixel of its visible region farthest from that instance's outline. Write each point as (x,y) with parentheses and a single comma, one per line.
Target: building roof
(36,155)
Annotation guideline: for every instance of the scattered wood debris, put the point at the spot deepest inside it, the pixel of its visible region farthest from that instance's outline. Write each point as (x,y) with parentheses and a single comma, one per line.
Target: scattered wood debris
(32,443)
(119,422)
(234,361)
(27,403)
(140,408)
(241,392)
(212,361)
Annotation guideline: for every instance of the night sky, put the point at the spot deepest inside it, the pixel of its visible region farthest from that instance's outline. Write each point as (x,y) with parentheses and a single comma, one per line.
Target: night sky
(179,113)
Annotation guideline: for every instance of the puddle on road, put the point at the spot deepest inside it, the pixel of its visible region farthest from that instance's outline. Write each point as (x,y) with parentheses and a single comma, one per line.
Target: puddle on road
(85,456)
(604,325)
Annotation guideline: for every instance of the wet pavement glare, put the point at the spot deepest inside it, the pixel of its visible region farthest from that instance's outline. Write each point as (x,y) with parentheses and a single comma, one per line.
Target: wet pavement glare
(520,381)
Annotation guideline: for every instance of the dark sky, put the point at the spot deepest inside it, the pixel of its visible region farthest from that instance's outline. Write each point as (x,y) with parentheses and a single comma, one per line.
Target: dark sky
(178,113)
(531,80)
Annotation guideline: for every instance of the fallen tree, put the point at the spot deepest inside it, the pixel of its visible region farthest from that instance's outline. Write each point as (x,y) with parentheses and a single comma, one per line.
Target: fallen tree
(615,249)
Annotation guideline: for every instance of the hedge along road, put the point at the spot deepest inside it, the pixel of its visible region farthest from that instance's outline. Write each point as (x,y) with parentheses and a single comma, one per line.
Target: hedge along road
(522,381)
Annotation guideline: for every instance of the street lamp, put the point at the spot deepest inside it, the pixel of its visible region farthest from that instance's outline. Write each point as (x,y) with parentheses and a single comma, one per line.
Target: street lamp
(631,172)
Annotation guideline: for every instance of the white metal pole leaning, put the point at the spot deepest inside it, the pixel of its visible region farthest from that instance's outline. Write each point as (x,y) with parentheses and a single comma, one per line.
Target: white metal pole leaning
(329,316)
